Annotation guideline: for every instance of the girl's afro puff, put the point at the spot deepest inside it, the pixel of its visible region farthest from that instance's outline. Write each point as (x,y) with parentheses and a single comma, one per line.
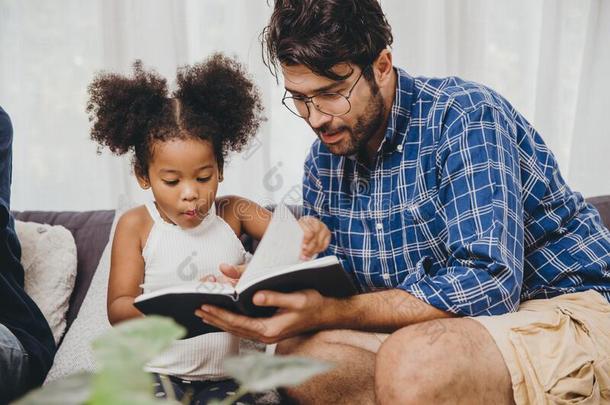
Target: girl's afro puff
(215,102)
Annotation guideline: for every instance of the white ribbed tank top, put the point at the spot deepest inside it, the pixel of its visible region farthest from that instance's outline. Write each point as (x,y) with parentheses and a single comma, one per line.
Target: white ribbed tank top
(173,255)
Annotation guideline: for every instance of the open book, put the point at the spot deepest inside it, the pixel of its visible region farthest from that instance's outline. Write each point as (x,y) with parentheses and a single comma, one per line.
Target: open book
(275,266)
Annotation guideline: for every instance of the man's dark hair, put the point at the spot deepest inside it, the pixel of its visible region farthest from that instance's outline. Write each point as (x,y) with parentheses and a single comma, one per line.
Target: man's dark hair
(319,34)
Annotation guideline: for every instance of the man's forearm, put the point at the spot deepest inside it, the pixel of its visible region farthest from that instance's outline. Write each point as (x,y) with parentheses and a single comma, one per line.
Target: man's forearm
(381,311)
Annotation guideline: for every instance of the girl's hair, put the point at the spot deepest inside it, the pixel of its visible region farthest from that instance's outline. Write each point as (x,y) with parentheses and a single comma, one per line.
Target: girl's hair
(214,101)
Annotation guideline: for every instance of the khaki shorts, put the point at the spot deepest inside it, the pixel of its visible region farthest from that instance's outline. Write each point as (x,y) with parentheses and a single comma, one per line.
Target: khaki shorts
(557,350)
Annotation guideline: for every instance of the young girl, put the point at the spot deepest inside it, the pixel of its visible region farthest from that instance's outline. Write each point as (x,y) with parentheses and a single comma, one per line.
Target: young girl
(179,144)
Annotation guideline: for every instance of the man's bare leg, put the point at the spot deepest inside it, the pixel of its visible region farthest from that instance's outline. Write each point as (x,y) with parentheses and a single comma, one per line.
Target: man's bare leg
(351,381)
(442,361)
(445,361)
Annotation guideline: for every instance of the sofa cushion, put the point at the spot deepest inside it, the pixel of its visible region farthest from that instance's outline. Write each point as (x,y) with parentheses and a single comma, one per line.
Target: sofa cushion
(74,353)
(48,256)
(90,230)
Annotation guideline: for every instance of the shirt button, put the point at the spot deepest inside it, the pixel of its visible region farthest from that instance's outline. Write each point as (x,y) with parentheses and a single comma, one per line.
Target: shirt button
(379,226)
(385,276)
(399,148)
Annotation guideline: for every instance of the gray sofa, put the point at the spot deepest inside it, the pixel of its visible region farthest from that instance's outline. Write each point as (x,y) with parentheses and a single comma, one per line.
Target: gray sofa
(91,231)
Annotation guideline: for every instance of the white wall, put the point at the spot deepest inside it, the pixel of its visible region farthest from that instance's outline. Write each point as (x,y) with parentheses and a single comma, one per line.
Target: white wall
(548,57)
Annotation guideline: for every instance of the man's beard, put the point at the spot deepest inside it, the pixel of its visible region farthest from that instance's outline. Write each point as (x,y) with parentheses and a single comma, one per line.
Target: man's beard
(367,125)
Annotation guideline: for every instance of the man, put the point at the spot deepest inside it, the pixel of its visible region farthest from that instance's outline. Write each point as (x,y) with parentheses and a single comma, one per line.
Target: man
(26,342)
(487,279)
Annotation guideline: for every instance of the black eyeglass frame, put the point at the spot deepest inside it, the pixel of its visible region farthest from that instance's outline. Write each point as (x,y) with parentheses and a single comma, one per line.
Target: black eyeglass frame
(307,100)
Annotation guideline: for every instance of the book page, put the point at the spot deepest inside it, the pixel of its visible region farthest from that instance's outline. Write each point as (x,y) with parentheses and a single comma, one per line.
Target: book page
(206,287)
(280,246)
(325,261)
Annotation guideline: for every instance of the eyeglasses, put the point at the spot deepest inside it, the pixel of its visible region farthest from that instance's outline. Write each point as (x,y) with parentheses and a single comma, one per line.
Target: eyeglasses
(329,103)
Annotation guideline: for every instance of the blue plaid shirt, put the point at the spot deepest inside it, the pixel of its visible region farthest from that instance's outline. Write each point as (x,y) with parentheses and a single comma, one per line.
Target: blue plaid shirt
(464,206)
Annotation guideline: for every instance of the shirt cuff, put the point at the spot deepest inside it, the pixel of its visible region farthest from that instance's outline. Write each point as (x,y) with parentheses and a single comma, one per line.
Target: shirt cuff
(420,286)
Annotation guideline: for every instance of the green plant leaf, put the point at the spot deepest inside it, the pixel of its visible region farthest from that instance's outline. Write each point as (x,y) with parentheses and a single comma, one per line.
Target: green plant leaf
(260,372)
(121,354)
(137,340)
(74,389)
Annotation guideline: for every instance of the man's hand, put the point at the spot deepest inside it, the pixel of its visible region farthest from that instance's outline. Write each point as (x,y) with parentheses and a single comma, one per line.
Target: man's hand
(316,237)
(298,312)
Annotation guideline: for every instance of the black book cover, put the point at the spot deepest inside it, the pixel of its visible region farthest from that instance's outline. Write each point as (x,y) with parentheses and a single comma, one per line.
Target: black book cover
(330,280)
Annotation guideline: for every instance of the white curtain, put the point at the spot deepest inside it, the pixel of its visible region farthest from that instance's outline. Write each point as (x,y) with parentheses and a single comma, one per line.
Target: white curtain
(550,58)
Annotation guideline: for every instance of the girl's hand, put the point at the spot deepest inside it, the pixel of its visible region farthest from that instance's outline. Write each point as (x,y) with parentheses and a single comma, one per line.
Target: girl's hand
(230,274)
(316,237)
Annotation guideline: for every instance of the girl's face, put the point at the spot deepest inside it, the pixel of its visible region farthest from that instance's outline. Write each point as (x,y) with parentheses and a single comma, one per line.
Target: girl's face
(184,177)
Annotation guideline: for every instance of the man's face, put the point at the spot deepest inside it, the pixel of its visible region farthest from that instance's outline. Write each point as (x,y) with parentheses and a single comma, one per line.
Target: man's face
(347,134)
